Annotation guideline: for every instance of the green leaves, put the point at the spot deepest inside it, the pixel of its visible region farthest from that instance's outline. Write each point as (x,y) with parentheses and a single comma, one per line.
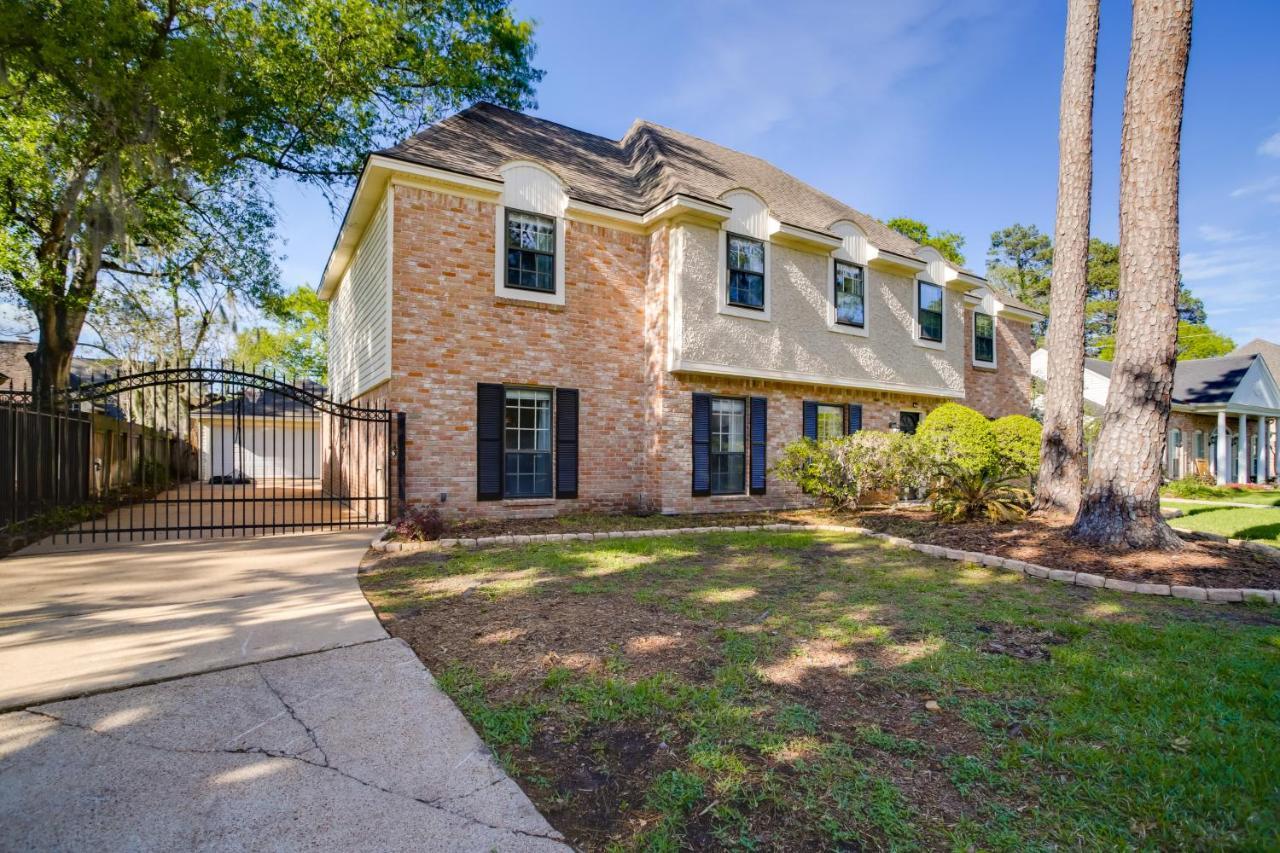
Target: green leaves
(949,243)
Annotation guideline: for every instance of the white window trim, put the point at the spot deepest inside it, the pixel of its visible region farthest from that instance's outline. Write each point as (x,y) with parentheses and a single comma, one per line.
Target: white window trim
(915,314)
(973,340)
(722,280)
(500,262)
(1175,454)
(842,256)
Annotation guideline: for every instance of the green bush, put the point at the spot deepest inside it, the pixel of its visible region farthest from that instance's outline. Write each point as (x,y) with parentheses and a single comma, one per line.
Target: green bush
(953,434)
(844,472)
(990,494)
(1017,444)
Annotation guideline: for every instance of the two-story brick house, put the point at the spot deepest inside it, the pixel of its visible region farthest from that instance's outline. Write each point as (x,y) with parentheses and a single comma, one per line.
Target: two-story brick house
(572,322)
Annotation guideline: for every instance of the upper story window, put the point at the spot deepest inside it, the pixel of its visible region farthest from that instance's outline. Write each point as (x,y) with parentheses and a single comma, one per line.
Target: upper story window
(984,338)
(529,235)
(746,264)
(531,251)
(850,295)
(929,311)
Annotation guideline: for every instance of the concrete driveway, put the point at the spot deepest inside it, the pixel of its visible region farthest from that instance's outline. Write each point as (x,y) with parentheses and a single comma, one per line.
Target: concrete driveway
(242,696)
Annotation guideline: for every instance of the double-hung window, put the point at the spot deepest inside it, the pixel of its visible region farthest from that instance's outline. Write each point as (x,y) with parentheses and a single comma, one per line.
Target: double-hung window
(531,251)
(850,295)
(746,272)
(728,447)
(830,421)
(984,338)
(929,311)
(527,443)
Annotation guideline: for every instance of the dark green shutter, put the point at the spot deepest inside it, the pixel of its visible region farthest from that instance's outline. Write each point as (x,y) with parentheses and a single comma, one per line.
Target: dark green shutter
(759,443)
(701,444)
(810,420)
(489,400)
(854,418)
(566,443)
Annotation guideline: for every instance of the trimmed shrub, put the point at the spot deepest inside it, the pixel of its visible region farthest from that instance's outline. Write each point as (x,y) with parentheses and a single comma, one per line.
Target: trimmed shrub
(419,524)
(989,494)
(953,434)
(847,471)
(1017,445)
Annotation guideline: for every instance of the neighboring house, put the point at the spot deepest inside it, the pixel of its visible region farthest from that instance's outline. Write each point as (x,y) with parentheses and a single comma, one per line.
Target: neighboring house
(1215,401)
(259,435)
(572,322)
(1269,351)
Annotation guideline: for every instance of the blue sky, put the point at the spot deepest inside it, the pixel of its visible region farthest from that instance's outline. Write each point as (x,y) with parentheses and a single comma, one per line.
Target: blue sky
(943,110)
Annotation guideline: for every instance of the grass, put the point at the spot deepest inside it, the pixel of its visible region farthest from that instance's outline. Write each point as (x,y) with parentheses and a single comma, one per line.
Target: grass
(1260,525)
(768,690)
(1232,494)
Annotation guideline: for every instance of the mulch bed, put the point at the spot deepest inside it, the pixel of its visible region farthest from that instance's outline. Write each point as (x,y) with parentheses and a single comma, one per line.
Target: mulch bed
(1043,541)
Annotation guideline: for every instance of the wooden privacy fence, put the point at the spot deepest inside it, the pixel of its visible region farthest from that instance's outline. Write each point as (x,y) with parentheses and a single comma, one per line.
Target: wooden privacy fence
(52,459)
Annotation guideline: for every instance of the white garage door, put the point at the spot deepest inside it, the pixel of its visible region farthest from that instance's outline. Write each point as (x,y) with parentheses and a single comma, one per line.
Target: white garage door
(260,451)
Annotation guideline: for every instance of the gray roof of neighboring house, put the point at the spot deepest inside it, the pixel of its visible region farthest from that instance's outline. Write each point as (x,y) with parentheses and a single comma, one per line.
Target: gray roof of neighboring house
(648,165)
(15,368)
(1197,380)
(1209,380)
(1269,350)
(261,404)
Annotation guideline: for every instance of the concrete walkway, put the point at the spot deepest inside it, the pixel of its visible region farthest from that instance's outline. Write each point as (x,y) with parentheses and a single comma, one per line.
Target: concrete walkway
(281,716)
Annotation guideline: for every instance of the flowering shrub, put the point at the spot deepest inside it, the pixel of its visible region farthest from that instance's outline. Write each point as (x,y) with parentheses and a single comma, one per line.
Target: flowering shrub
(847,471)
(419,524)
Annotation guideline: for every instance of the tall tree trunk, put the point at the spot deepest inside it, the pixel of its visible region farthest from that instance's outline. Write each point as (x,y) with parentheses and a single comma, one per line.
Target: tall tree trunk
(1062,445)
(1121,507)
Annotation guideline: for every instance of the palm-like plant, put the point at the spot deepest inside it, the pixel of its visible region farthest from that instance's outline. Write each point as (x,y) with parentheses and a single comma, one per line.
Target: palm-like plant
(962,495)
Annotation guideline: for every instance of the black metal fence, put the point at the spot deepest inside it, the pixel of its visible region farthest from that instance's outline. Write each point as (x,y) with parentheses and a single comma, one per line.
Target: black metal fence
(193,451)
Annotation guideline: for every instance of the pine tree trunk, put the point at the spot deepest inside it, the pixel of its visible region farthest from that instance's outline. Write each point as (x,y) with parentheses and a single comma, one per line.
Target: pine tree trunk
(1121,507)
(1062,445)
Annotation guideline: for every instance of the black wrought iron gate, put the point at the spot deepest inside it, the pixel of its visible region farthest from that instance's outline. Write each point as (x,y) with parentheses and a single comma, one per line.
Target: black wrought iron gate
(189,451)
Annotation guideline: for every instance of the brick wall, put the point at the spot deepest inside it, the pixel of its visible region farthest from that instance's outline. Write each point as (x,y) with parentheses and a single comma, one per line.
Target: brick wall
(1007,389)
(14,364)
(450,332)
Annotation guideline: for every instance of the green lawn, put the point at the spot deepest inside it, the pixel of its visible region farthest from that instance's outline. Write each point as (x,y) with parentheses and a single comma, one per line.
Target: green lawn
(770,690)
(1261,524)
(1232,494)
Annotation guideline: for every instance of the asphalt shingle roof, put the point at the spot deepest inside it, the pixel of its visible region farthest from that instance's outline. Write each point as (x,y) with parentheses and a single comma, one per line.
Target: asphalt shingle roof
(1209,380)
(648,165)
(1269,350)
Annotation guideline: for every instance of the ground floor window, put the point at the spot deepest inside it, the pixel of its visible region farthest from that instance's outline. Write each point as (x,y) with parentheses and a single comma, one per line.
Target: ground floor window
(728,445)
(1199,444)
(908,422)
(1175,454)
(527,443)
(830,421)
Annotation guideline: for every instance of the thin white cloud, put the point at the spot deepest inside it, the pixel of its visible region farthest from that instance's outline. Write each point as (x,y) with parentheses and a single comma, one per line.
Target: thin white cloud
(1270,146)
(1262,186)
(1216,234)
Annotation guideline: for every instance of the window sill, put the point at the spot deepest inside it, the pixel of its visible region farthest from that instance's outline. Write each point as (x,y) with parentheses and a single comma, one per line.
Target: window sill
(942,345)
(519,302)
(528,501)
(845,329)
(984,365)
(734,497)
(758,314)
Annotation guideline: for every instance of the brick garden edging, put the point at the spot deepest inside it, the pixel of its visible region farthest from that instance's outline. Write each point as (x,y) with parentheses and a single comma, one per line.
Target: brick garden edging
(1192,593)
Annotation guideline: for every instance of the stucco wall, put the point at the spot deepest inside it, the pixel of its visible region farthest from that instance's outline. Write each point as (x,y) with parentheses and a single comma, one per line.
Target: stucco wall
(796,338)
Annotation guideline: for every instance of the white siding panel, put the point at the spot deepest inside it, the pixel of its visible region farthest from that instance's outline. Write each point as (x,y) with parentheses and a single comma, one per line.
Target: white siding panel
(359,322)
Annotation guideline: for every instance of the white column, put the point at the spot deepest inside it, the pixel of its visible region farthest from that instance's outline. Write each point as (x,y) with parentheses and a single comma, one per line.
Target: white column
(1269,458)
(1242,448)
(1260,470)
(1224,445)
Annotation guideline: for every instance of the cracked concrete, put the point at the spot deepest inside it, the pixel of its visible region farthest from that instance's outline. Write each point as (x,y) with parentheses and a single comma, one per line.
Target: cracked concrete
(353,747)
(331,748)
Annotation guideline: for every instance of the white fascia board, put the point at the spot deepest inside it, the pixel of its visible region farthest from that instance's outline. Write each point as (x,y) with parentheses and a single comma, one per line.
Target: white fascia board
(804,238)
(887,260)
(798,378)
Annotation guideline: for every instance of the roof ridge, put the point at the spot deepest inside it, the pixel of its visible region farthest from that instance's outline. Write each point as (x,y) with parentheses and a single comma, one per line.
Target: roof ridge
(577,130)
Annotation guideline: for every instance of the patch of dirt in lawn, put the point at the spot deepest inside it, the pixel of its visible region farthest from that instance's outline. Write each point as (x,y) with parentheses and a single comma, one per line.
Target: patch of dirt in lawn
(1017,641)
(1043,541)
(522,638)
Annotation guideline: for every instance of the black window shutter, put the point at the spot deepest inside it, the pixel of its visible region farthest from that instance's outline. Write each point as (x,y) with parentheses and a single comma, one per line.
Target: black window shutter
(855,417)
(566,443)
(489,399)
(811,420)
(759,439)
(701,445)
